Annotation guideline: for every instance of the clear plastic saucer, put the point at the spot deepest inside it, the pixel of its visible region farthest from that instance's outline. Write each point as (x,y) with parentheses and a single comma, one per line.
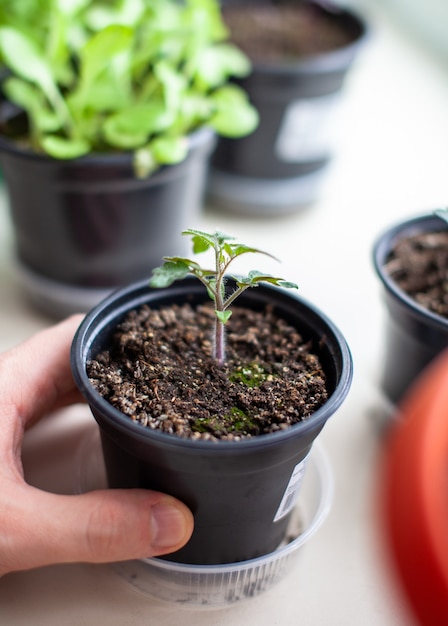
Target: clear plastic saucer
(215,586)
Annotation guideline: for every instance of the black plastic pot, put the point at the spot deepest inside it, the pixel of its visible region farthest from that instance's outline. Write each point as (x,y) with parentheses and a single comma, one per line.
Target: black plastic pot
(280,166)
(241,493)
(86,226)
(413,335)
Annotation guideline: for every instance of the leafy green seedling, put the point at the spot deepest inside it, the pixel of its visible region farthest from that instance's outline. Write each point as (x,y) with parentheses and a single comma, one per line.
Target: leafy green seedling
(225,250)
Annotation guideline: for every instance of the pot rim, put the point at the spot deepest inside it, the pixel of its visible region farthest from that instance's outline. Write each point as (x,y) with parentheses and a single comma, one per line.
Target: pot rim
(107,313)
(427,222)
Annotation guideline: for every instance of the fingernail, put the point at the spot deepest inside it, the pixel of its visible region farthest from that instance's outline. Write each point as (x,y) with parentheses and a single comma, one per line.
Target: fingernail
(169,526)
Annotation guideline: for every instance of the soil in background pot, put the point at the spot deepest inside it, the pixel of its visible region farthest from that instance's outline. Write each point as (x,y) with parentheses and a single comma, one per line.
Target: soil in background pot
(160,372)
(277,32)
(418,264)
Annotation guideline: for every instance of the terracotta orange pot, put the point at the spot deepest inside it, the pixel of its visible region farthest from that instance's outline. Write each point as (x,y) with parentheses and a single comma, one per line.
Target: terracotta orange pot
(414,494)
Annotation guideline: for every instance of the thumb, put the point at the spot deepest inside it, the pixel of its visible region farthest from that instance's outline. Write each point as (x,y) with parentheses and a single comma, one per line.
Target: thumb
(99,527)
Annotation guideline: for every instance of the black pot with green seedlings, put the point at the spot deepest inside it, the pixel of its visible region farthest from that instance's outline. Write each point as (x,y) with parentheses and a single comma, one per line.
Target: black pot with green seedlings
(220,407)
(109,111)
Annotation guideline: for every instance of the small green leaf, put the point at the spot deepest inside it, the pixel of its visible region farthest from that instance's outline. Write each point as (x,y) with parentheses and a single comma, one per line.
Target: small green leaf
(286,284)
(173,83)
(201,241)
(144,162)
(29,98)
(126,13)
(223,316)
(140,118)
(104,95)
(132,127)
(169,272)
(216,63)
(169,150)
(200,244)
(255,277)
(98,51)
(24,57)
(221,238)
(195,109)
(61,148)
(237,249)
(182,260)
(234,116)
(45,120)
(70,7)
(121,138)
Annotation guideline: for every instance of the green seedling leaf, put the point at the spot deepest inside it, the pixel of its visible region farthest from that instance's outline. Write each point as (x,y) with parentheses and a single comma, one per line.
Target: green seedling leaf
(23,56)
(255,277)
(169,150)
(71,7)
(132,127)
(29,97)
(202,241)
(60,148)
(215,64)
(205,15)
(223,316)
(173,84)
(194,110)
(173,269)
(104,96)
(237,249)
(144,162)
(124,139)
(96,55)
(124,13)
(234,116)
(285,284)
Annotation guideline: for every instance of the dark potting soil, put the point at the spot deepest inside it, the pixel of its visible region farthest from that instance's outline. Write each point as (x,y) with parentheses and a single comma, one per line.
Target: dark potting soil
(419,266)
(160,372)
(273,32)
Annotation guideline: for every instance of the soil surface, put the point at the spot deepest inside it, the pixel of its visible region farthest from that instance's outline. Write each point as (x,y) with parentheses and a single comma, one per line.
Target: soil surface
(160,372)
(419,266)
(275,32)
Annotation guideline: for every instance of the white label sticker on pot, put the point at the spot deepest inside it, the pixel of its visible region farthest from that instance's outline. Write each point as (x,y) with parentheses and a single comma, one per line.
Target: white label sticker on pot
(308,129)
(291,491)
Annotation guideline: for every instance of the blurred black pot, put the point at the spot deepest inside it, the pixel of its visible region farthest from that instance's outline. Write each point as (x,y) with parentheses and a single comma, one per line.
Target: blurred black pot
(413,334)
(86,226)
(280,166)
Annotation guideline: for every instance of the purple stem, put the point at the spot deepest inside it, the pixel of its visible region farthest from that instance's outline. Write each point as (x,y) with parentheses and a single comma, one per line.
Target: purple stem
(219,342)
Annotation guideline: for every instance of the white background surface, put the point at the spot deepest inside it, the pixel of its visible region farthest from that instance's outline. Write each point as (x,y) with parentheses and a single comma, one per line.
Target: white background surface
(391,163)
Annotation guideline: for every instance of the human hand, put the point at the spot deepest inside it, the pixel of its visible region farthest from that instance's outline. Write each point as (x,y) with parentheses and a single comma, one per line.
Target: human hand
(40,528)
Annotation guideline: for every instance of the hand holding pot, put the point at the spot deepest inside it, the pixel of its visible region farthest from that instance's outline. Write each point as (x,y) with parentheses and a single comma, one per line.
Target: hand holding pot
(40,528)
